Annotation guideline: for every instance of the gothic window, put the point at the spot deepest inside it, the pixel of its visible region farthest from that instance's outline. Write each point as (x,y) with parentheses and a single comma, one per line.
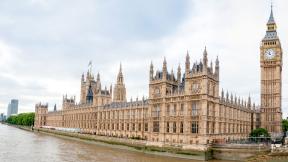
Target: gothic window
(174,110)
(168,110)
(194,108)
(156,126)
(127,127)
(156,111)
(182,109)
(146,127)
(133,126)
(181,127)
(194,127)
(174,127)
(139,127)
(167,127)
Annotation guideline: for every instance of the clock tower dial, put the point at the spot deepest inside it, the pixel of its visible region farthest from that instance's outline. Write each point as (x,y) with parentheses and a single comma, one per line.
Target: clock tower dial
(269,54)
(271,79)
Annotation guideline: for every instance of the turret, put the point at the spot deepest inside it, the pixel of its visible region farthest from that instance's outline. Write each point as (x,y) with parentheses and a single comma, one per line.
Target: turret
(217,68)
(249,102)
(119,94)
(55,108)
(98,77)
(151,71)
(187,64)
(172,75)
(111,89)
(211,67)
(164,69)
(205,58)
(179,74)
(82,78)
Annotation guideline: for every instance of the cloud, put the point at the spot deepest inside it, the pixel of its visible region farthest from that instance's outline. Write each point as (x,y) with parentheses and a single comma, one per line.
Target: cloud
(47,44)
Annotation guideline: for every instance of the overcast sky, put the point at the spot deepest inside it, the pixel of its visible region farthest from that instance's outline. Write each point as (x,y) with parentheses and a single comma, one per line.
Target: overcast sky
(45,45)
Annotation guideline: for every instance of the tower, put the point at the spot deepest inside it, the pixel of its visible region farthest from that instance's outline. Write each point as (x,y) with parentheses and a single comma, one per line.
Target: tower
(119,89)
(271,78)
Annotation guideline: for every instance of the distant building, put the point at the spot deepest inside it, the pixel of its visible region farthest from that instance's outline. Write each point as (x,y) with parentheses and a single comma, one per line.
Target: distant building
(2,117)
(12,107)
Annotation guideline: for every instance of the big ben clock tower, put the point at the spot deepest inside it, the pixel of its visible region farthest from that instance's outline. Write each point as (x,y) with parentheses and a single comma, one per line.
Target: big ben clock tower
(271,79)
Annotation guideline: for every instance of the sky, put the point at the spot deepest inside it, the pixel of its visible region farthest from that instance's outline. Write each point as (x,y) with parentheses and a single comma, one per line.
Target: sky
(46,45)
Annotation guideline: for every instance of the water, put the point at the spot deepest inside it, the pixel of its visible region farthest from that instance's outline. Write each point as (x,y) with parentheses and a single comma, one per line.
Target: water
(18,145)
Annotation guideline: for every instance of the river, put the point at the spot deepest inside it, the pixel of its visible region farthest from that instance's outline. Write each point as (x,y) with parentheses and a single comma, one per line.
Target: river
(18,145)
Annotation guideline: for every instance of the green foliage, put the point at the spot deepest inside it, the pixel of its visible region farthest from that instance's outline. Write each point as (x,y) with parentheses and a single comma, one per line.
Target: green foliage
(259,132)
(26,119)
(285,125)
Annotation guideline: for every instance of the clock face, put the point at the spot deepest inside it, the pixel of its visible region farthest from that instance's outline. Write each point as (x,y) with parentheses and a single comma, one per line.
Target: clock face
(269,54)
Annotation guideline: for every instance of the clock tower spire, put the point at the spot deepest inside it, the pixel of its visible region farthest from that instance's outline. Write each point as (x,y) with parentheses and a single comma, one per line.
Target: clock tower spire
(271,79)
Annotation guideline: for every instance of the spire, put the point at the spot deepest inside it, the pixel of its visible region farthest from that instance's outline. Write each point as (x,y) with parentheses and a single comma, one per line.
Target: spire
(205,59)
(120,76)
(165,64)
(217,67)
(211,66)
(179,74)
(90,68)
(98,77)
(187,64)
(120,71)
(164,69)
(271,18)
(227,96)
(151,71)
(55,108)
(111,89)
(249,101)
(172,75)
(82,78)
(217,62)
(222,94)
(119,94)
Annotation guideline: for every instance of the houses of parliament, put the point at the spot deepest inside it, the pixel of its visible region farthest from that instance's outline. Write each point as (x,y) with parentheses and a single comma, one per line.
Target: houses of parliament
(183,109)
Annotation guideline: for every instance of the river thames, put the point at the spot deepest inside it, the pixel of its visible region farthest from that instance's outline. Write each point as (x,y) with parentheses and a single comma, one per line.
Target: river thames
(18,145)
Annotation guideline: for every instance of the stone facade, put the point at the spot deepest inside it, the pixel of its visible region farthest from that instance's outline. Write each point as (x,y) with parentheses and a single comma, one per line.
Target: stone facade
(186,109)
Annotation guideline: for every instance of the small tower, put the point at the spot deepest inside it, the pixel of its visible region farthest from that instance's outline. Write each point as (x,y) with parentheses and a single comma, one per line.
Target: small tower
(187,64)
(217,67)
(164,69)
(179,74)
(205,58)
(55,108)
(119,88)
(151,71)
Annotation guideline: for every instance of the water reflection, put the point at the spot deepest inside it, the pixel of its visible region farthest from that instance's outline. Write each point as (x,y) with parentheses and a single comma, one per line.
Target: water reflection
(22,146)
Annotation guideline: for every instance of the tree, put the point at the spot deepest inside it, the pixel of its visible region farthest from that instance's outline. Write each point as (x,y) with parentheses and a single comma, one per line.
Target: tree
(285,125)
(26,119)
(259,132)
